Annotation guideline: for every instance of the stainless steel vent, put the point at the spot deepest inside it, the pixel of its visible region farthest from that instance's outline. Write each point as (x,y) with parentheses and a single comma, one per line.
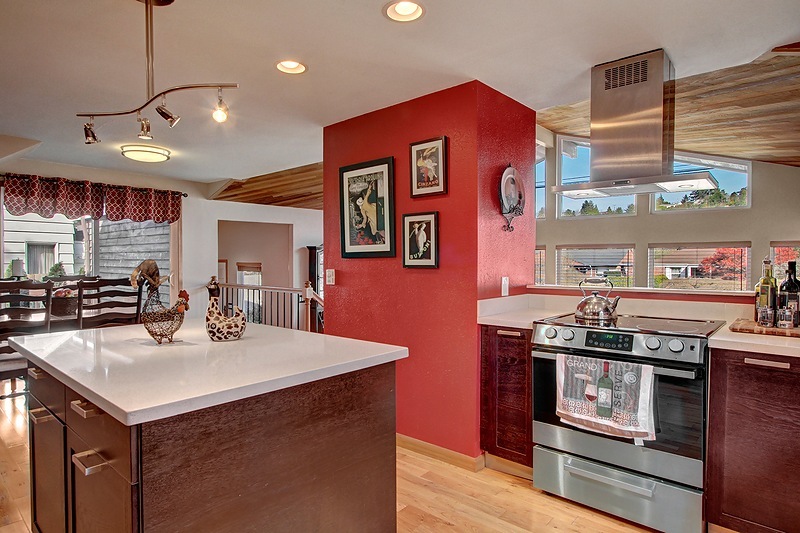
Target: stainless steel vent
(623,75)
(633,120)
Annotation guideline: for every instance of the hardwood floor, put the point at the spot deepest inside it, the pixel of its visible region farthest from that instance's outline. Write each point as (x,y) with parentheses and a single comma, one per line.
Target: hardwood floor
(432,496)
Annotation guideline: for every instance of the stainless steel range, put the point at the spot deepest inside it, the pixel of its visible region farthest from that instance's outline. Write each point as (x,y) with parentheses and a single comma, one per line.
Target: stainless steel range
(657,483)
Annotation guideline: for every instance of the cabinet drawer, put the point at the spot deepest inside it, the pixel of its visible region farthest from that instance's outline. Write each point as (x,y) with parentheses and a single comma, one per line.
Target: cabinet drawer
(47,389)
(116,442)
(99,498)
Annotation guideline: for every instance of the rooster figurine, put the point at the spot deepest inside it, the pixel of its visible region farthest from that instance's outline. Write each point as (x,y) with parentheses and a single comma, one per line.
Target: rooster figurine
(161,323)
(218,326)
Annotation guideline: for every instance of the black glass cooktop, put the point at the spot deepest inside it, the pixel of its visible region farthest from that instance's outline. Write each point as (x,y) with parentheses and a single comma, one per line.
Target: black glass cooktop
(644,324)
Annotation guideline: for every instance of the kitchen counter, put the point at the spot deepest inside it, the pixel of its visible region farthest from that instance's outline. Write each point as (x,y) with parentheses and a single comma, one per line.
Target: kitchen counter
(124,372)
(748,342)
(282,430)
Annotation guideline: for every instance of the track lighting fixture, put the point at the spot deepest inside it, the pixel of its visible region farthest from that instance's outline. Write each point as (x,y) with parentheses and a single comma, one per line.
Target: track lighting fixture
(144,133)
(166,114)
(88,132)
(220,114)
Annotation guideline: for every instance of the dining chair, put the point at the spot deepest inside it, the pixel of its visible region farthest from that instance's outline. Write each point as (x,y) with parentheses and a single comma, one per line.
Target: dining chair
(24,310)
(108,302)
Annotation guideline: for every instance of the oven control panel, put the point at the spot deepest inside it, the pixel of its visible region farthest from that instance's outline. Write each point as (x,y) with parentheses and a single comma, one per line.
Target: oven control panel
(647,345)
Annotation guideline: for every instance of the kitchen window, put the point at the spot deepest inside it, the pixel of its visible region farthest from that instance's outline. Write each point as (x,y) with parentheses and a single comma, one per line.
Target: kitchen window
(540,188)
(573,167)
(781,253)
(701,266)
(733,176)
(538,265)
(613,262)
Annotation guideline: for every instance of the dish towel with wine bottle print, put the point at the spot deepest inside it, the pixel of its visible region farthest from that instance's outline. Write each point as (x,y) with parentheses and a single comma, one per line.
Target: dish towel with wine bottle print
(582,386)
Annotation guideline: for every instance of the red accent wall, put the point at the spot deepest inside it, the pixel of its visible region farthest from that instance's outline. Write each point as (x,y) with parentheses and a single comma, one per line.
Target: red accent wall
(431,311)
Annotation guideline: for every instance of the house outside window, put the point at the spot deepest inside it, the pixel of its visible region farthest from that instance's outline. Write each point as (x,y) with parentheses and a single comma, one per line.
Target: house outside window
(701,266)
(39,259)
(613,262)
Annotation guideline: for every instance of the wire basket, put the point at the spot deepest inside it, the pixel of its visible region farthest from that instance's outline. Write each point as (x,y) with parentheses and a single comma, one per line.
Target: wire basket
(64,306)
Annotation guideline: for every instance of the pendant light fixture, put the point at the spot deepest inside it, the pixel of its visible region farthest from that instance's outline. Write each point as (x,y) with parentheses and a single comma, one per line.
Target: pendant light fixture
(220,112)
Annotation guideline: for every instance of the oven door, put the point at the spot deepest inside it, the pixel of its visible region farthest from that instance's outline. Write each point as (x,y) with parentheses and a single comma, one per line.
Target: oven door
(677,453)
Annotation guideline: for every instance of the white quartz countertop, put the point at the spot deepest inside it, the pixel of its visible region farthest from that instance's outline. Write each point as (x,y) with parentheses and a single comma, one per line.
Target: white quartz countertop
(726,339)
(125,373)
(521,318)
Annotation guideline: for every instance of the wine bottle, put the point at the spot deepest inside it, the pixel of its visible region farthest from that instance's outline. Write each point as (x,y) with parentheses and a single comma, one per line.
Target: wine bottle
(767,287)
(605,394)
(790,292)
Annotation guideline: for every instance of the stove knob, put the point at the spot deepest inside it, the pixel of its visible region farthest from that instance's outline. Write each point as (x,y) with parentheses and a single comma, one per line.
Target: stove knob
(568,334)
(653,343)
(550,333)
(675,345)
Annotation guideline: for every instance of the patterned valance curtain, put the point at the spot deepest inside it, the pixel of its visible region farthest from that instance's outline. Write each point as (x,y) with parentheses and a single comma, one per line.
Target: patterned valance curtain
(50,196)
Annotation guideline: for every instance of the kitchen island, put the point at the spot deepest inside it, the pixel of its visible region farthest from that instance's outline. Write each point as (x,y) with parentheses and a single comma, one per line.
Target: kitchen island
(283,430)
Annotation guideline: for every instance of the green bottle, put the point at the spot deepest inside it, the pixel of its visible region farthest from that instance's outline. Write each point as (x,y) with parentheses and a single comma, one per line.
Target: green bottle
(605,394)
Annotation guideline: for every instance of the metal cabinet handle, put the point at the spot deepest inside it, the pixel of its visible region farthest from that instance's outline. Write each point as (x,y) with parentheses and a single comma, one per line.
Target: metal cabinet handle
(40,415)
(88,470)
(36,373)
(85,409)
(672,372)
(644,491)
(764,362)
(506,333)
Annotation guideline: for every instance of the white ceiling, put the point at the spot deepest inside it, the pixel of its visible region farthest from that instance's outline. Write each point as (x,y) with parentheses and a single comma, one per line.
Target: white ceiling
(60,58)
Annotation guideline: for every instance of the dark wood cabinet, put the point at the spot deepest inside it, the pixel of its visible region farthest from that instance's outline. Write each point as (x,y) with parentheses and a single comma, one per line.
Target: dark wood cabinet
(47,436)
(753,471)
(506,404)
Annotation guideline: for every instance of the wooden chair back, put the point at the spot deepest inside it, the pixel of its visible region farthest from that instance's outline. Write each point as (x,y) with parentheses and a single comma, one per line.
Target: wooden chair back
(24,310)
(108,302)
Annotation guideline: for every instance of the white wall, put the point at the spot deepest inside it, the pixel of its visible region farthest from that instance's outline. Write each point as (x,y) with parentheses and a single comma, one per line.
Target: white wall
(258,242)
(200,240)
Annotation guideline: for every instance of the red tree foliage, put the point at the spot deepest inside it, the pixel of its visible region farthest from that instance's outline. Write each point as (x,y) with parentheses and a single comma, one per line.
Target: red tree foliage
(784,254)
(727,263)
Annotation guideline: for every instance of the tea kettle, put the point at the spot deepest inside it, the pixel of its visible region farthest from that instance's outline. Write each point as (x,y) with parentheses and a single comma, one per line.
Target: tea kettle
(597,309)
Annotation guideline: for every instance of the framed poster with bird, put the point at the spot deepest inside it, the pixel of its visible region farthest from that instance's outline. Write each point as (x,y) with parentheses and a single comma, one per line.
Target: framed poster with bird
(421,240)
(366,195)
(428,167)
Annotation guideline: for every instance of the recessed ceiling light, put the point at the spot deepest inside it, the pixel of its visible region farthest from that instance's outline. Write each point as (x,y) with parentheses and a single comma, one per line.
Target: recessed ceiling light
(291,67)
(403,11)
(145,153)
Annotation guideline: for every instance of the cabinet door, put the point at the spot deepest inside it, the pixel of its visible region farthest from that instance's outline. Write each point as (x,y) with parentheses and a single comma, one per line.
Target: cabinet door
(506,414)
(47,436)
(100,500)
(753,470)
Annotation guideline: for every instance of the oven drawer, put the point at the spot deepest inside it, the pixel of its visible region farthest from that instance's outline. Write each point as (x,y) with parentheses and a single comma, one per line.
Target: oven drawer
(645,500)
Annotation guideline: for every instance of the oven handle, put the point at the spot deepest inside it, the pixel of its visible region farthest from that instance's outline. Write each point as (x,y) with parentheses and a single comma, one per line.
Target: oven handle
(659,370)
(644,491)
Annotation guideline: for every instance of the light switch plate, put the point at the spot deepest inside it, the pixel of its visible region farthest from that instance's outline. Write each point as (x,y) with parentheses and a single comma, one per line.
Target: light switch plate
(330,276)
(504,290)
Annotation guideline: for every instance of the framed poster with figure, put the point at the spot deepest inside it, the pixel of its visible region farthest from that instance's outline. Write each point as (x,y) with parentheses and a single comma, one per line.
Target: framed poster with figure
(421,240)
(366,197)
(428,162)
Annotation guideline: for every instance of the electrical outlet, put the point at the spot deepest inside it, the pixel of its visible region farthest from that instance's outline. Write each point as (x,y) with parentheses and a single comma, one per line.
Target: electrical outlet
(504,286)
(330,277)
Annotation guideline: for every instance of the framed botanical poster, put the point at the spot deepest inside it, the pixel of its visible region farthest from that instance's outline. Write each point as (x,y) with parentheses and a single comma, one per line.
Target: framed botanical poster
(421,240)
(429,167)
(366,196)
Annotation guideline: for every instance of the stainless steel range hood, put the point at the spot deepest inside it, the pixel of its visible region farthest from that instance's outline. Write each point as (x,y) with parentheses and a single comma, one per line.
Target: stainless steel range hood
(632,131)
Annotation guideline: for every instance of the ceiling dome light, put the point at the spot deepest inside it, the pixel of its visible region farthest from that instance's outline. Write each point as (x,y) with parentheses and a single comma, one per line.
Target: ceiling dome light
(145,153)
(220,114)
(291,67)
(403,11)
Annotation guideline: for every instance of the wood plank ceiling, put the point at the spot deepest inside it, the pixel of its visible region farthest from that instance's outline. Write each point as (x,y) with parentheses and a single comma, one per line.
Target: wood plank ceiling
(295,187)
(749,111)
